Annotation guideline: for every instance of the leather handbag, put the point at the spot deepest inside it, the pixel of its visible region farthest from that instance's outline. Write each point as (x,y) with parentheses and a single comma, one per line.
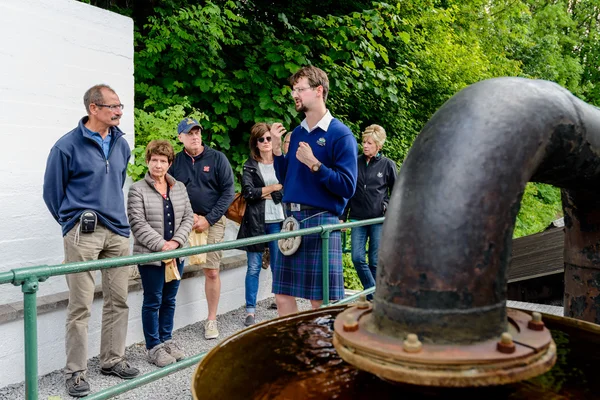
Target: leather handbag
(236,210)
(266,258)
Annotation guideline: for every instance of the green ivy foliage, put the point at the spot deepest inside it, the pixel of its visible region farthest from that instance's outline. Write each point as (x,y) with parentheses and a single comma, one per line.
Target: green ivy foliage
(390,63)
(351,280)
(540,206)
(158,125)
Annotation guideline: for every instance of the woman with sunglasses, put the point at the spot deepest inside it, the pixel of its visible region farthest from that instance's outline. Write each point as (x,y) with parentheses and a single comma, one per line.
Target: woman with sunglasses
(264,211)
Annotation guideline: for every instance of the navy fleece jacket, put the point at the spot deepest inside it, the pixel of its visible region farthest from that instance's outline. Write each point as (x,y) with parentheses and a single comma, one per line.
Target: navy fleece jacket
(79,177)
(208,178)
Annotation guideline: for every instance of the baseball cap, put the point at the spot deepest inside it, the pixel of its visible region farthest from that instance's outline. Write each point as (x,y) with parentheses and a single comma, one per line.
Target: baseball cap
(187,124)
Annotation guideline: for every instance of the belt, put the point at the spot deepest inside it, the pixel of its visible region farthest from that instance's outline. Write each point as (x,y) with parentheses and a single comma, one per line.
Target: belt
(299,207)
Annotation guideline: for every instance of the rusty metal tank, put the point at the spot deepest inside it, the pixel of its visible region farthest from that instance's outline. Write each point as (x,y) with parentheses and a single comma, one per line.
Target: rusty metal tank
(438,325)
(294,358)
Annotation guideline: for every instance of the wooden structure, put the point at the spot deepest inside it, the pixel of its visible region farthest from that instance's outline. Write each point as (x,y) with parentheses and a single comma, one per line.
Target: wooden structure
(536,269)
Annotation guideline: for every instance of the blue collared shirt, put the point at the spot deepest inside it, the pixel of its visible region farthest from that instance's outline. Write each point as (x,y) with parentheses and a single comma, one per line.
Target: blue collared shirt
(104,143)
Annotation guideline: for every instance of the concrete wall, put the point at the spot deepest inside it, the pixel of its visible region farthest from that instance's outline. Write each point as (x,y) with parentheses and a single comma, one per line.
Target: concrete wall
(52,51)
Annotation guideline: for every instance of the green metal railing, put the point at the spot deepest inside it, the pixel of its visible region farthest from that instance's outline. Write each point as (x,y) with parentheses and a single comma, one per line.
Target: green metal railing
(30,277)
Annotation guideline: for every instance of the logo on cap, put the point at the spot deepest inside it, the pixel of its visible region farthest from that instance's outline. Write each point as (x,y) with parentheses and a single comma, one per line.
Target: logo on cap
(186,125)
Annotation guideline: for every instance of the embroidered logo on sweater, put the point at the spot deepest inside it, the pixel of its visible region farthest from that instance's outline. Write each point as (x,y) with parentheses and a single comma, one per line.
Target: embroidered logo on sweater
(380,174)
(206,168)
(321,141)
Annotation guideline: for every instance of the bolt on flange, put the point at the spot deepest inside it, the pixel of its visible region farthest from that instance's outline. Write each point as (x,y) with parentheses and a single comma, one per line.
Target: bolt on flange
(506,344)
(536,323)
(362,302)
(350,323)
(412,344)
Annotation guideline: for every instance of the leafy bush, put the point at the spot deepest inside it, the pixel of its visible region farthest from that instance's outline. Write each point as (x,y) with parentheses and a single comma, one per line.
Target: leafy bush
(157,125)
(351,280)
(541,204)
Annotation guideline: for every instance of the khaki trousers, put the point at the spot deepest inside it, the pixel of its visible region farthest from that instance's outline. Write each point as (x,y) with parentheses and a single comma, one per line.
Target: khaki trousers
(216,233)
(103,243)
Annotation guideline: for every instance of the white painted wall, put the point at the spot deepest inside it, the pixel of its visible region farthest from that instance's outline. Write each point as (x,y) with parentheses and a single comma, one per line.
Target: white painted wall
(51,52)
(191,307)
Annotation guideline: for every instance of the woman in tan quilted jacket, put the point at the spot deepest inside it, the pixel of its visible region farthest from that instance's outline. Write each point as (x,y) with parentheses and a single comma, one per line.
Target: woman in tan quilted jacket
(161,219)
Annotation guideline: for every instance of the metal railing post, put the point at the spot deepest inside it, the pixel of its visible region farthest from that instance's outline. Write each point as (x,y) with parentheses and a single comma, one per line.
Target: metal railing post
(29,288)
(325,257)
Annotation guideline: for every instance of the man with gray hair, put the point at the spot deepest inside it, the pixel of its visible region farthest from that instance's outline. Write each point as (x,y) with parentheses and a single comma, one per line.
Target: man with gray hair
(208,177)
(83,190)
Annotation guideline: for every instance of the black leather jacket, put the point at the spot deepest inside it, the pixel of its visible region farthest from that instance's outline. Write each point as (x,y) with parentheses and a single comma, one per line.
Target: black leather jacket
(253,223)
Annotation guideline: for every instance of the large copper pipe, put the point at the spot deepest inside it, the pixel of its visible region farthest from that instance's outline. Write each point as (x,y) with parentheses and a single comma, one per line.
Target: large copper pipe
(447,236)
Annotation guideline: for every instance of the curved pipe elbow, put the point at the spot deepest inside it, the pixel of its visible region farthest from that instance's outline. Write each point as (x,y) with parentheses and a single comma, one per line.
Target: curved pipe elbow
(447,237)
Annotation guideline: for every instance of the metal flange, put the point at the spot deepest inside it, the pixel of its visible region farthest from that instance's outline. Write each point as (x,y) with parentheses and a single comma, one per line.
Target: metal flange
(520,353)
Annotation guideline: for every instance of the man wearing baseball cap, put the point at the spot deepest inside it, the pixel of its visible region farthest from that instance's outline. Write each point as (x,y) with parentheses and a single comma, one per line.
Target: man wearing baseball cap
(208,177)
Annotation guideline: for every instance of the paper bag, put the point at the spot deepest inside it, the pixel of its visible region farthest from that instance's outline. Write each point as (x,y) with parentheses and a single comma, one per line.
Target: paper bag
(198,239)
(171,271)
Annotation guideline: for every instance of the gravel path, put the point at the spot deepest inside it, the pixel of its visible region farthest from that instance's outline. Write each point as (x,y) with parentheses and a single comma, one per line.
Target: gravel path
(174,386)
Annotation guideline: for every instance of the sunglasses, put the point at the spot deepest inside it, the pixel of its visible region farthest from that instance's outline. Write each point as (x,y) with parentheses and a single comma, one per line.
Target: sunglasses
(262,139)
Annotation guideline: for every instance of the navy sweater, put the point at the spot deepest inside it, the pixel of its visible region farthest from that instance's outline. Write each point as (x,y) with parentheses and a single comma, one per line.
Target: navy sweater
(209,181)
(79,177)
(329,188)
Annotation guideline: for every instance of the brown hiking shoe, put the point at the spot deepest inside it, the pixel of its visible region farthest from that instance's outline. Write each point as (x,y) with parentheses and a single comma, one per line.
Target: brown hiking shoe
(174,350)
(159,356)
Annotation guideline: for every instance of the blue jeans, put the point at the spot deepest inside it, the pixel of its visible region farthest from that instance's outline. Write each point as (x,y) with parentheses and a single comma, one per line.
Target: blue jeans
(359,235)
(158,307)
(255,265)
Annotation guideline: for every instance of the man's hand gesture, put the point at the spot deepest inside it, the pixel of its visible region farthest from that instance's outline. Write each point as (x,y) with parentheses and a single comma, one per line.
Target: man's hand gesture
(277,131)
(305,155)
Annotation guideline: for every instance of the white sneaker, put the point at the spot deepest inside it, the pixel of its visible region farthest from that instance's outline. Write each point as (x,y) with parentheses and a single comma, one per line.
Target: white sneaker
(210,330)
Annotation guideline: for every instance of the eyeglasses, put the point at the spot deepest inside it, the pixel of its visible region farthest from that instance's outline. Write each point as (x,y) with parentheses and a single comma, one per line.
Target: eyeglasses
(300,90)
(262,139)
(113,107)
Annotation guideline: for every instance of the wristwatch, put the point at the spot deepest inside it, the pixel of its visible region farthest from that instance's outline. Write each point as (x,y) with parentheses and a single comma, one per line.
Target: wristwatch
(316,167)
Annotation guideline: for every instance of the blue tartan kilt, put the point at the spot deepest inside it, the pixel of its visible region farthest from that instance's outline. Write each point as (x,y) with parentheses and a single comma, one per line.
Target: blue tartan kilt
(301,274)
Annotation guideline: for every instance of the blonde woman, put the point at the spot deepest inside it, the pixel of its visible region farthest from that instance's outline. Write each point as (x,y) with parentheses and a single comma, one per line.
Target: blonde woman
(376,177)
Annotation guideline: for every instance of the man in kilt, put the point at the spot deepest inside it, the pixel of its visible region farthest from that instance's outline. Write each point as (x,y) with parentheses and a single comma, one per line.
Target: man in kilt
(319,175)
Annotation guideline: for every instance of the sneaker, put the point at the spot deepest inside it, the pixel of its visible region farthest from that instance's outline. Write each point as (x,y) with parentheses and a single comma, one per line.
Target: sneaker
(174,350)
(122,369)
(77,385)
(159,356)
(249,320)
(210,329)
